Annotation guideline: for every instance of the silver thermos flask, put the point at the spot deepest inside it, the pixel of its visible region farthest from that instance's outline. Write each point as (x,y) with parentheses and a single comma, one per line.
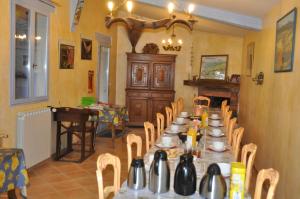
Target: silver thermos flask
(137,175)
(159,175)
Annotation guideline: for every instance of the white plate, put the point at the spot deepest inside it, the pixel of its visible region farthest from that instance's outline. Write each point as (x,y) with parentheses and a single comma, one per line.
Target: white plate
(217,150)
(184,123)
(172,132)
(160,145)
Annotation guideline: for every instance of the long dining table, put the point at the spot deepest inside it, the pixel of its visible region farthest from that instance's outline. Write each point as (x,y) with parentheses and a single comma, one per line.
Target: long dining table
(201,164)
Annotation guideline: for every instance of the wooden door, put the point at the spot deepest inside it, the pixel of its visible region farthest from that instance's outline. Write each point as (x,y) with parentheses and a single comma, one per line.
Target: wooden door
(138,75)
(162,76)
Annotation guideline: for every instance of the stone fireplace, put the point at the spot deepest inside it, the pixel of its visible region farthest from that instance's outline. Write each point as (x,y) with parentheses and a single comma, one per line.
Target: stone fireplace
(217,91)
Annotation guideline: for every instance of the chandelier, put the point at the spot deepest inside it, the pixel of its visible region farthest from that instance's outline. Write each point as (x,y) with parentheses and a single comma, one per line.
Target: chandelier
(136,26)
(172,44)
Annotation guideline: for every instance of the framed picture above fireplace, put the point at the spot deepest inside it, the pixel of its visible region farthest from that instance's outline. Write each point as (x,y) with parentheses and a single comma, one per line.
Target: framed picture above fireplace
(213,67)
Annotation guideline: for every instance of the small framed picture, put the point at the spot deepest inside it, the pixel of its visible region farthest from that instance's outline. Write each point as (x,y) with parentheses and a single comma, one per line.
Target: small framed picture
(213,67)
(66,55)
(86,49)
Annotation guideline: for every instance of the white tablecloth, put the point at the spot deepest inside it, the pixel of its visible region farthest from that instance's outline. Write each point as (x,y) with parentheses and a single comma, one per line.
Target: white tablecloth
(201,164)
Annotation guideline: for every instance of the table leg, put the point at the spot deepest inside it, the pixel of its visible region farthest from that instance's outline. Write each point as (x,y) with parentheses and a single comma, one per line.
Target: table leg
(113,134)
(12,194)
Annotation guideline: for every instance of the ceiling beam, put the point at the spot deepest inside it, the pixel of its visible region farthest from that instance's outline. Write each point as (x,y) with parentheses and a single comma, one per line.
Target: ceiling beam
(224,16)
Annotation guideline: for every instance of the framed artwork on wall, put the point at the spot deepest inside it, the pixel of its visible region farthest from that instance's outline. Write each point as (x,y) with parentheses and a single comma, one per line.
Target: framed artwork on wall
(250,58)
(90,81)
(213,67)
(66,55)
(86,49)
(285,42)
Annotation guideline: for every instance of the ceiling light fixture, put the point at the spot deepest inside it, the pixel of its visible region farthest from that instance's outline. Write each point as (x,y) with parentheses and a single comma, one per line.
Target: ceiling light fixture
(171,44)
(136,26)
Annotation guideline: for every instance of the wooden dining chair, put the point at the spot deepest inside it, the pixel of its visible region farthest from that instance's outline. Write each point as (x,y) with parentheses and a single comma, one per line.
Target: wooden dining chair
(226,109)
(174,109)
(150,135)
(223,105)
(247,158)
(266,174)
(227,120)
(103,161)
(133,139)
(236,141)
(160,119)
(169,114)
(201,99)
(230,129)
(180,104)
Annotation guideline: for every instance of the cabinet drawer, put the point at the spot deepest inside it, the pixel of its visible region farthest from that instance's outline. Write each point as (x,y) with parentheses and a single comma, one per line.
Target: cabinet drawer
(162,95)
(138,94)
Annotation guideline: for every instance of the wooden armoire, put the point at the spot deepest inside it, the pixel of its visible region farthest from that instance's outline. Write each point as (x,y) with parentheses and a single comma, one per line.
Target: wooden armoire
(150,86)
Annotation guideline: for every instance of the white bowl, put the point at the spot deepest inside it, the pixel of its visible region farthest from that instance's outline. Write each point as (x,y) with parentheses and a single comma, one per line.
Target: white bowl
(215,122)
(214,116)
(225,169)
(174,127)
(216,132)
(180,120)
(184,114)
(218,145)
(166,140)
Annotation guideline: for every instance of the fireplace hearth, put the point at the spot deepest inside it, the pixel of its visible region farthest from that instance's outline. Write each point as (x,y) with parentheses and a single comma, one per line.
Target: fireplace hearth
(217,91)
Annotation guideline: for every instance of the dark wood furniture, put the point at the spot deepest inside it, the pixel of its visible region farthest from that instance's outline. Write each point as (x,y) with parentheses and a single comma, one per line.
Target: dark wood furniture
(150,86)
(79,123)
(217,88)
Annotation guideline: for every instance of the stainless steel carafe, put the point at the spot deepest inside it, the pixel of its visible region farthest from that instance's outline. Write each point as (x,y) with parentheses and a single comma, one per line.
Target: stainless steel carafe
(159,175)
(213,185)
(137,175)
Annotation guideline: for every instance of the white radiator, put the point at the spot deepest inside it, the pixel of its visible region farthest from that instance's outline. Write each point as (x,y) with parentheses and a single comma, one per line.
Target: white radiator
(34,135)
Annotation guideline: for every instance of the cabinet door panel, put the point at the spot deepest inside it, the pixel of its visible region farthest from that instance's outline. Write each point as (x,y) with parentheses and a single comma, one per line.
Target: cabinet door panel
(162,76)
(139,75)
(138,110)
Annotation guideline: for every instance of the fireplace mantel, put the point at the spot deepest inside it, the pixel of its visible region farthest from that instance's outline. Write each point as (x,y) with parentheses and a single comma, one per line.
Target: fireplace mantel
(217,88)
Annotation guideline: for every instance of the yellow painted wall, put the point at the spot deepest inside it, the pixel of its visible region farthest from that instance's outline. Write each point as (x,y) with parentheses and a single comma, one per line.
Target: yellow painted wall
(66,87)
(203,43)
(270,113)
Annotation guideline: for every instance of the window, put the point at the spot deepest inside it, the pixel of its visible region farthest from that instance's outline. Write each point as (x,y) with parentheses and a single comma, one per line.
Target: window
(29,61)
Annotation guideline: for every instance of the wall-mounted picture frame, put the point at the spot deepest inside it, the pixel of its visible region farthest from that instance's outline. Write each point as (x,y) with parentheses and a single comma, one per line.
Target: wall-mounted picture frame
(285,42)
(66,55)
(214,67)
(90,81)
(250,58)
(86,49)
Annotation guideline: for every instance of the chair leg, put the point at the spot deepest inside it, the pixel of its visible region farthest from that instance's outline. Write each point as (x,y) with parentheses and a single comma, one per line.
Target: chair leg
(82,146)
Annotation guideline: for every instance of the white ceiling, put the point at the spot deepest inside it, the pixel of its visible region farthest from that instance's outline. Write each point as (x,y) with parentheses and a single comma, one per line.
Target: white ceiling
(256,8)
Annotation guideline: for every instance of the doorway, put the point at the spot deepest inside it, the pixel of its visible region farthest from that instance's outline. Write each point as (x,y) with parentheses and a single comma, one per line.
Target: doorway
(104,45)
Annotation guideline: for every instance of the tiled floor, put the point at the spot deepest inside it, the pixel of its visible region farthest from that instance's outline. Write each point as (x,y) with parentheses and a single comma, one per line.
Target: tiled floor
(64,180)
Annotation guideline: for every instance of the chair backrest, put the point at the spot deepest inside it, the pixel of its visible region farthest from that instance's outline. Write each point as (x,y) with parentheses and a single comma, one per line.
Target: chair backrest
(247,158)
(169,114)
(180,105)
(226,109)
(266,174)
(223,105)
(236,141)
(230,128)
(174,109)
(201,98)
(160,119)
(133,139)
(103,161)
(150,135)
(227,120)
